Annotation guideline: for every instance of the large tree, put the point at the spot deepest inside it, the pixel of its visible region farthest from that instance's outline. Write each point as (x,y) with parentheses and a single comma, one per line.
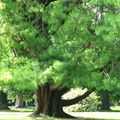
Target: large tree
(76,44)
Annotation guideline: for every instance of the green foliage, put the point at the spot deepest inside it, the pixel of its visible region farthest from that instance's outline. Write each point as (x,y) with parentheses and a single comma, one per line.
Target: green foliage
(89,104)
(73,44)
(21,77)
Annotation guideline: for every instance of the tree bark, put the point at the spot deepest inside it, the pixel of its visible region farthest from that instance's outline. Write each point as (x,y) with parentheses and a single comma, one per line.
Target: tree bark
(19,102)
(3,101)
(49,102)
(105,100)
(42,99)
(46,2)
(77,99)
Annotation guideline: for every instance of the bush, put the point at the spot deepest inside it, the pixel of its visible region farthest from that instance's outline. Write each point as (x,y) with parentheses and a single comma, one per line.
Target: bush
(89,104)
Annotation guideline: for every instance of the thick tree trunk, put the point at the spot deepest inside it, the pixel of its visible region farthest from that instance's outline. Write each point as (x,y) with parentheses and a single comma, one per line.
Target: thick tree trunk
(49,102)
(3,101)
(105,100)
(56,109)
(19,102)
(42,99)
(57,105)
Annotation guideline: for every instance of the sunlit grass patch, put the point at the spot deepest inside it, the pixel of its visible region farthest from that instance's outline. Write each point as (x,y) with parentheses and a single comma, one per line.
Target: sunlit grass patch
(36,119)
(24,109)
(115,108)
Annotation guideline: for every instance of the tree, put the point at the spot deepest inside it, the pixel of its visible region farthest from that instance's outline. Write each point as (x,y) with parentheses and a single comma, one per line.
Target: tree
(3,100)
(105,100)
(21,85)
(76,44)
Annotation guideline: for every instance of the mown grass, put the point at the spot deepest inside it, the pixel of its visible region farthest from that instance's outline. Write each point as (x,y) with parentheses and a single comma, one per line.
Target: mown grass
(115,108)
(26,109)
(27,118)
(13,109)
(48,119)
(31,109)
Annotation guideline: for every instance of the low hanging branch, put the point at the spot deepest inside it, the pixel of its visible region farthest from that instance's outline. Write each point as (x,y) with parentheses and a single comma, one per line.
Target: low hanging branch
(77,99)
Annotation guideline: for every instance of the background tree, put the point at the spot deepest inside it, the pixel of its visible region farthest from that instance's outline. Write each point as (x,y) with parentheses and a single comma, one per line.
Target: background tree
(3,100)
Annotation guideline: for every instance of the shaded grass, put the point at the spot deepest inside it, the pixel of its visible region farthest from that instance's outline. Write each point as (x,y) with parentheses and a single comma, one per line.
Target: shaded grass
(51,119)
(30,118)
(38,118)
(31,109)
(13,109)
(115,108)
(25,109)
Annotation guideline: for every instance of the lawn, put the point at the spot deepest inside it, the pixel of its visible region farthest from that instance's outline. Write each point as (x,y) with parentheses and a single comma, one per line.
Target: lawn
(24,114)
(21,114)
(26,109)
(115,108)
(81,116)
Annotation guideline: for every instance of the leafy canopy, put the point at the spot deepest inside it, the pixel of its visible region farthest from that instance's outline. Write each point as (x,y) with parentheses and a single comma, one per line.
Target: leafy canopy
(75,43)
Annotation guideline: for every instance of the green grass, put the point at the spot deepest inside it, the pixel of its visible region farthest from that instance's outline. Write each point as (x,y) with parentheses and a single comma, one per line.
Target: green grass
(46,119)
(26,109)
(115,108)
(36,119)
(13,109)
(31,109)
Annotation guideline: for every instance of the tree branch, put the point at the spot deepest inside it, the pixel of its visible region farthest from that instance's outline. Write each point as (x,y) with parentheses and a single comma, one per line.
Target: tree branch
(64,90)
(61,90)
(77,99)
(46,2)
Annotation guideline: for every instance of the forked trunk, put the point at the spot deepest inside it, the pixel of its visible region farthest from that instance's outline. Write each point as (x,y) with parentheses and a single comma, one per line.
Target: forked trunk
(3,101)
(48,102)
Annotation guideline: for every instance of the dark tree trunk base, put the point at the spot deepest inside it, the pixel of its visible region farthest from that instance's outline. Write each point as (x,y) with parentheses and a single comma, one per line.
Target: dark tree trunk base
(105,100)
(3,101)
(63,115)
(4,108)
(49,103)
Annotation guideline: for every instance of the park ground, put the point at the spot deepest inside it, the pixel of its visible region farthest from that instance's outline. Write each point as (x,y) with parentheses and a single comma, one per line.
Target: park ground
(25,114)
(79,115)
